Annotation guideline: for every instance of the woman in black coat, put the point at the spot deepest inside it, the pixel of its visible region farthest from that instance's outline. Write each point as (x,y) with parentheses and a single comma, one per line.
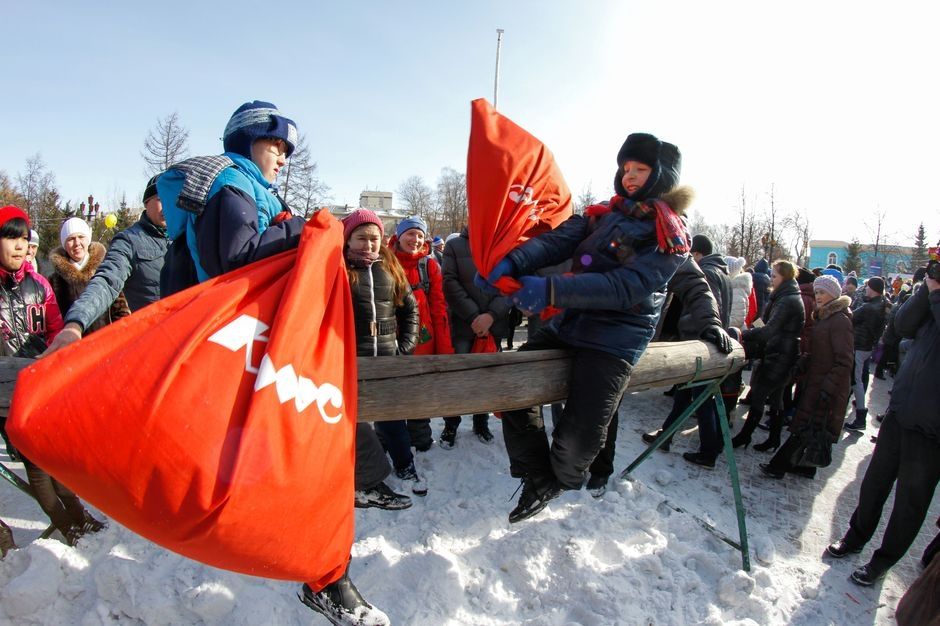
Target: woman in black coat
(777,344)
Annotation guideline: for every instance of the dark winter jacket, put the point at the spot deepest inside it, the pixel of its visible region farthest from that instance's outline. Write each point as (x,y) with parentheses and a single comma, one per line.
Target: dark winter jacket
(382,329)
(716,273)
(236,225)
(827,374)
(68,282)
(465,301)
(132,265)
(915,398)
(890,337)
(777,342)
(761,278)
(27,308)
(612,302)
(869,320)
(433,328)
(809,307)
(690,306)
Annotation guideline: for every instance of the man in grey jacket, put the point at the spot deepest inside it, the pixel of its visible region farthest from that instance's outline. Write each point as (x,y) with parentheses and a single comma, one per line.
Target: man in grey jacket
(132,265)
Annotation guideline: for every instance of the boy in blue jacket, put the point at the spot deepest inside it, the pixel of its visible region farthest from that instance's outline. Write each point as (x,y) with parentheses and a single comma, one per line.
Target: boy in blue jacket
(623,254)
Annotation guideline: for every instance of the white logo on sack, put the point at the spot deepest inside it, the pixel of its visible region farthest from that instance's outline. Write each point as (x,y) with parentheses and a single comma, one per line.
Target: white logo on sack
(522,196)
(243,332)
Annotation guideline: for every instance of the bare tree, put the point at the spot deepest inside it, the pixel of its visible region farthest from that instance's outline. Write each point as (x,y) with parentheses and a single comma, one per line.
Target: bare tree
(301,188)
(721,235)
(34,183)
(416,198)
(876,229)
(451,202)
(771,240)
(745,236)
(584,200)
(797,223)
(166,144)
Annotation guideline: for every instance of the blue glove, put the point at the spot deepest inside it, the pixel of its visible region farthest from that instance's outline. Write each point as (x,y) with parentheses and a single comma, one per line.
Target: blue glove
(533,296)
(503,268)
(484,286)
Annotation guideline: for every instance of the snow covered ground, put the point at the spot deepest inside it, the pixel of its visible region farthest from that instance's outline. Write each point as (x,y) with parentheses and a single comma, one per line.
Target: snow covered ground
(628,558)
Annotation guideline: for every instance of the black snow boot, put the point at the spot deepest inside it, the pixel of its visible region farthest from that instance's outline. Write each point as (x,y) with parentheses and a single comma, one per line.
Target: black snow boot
(382,497)
(860,420)
(534,498)
(341,603)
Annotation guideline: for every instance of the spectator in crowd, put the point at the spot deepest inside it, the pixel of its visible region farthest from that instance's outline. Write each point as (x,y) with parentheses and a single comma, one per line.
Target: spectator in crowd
(130,267)
(762,278)
(241,220)
(804,280)
(907,452)
(777,344)
(29,319)
(413,250)
(693,312)
(73,266)
(869,324)
(473,314)
(826,372)
(33,250)
(611,303)
(850,289)
(437,249)
(743,312)
(386,324)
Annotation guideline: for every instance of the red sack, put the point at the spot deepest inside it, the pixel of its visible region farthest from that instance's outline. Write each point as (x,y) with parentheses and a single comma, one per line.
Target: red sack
(219,422)
(484,345)
(515,190)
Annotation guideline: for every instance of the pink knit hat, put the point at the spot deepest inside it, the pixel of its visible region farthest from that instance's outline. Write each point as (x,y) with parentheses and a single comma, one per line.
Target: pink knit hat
(358,218)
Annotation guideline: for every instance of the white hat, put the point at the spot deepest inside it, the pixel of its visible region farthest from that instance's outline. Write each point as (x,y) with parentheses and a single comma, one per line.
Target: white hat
(33,238)
(74,226)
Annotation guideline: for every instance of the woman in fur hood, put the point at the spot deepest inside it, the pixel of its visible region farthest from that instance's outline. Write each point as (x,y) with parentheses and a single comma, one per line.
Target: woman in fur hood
(74,264)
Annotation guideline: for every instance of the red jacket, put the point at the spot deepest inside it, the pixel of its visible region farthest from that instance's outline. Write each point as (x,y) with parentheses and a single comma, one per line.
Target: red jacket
(434,329)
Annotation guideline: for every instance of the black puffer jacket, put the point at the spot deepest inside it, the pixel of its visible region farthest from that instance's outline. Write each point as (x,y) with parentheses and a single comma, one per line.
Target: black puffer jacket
(464,299)
(382,329)
(915,399)
(777,342)
(690,307)
(716,273)
(869,320)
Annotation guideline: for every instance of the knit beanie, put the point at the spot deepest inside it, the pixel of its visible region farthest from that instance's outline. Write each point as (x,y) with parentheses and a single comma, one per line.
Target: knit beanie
(735,265)
(451,236)
(11,212)
(920,274)
(151,189)
(33,238)
(877,283)
(359,217)
(437,241)
(74,226)
(804,276)
(411,222)
(257,120)
(851,280)
(828,284)
(830,271)
(702,245)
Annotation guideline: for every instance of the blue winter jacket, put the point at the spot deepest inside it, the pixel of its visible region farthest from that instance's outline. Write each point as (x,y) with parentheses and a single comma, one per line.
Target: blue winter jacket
(613,299)
(234,226)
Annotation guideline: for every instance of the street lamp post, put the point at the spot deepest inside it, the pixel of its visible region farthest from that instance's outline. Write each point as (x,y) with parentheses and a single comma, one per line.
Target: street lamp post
(499,41)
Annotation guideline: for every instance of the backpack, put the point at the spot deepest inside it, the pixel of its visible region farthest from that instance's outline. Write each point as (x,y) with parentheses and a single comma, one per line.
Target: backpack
(424,281)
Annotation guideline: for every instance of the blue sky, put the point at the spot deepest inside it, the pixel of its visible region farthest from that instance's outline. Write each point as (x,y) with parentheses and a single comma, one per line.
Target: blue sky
(831,102)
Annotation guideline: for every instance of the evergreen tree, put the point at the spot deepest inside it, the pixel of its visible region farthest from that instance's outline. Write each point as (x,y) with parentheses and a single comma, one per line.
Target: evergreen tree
(919,257)
(853,258)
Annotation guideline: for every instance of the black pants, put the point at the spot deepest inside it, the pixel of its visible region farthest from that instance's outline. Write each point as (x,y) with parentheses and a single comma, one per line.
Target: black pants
(707,415)
(372,465)
(57,501)
(595,388)
(913,462)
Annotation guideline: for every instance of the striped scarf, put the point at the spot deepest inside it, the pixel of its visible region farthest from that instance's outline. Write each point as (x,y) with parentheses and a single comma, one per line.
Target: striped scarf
(672,237)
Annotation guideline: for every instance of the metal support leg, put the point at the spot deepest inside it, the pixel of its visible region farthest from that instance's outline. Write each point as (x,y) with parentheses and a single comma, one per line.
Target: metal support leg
(735,483)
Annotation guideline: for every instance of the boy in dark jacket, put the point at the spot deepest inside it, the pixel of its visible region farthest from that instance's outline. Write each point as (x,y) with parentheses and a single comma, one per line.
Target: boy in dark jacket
(869,323)
(623,255)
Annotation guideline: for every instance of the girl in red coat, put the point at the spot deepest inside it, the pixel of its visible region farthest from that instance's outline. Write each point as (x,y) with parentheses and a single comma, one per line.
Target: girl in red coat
(424,273)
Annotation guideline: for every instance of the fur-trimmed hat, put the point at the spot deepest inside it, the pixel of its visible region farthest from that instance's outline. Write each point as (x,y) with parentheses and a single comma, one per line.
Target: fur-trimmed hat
(877,283)
(411,222)
(74,226)
(664,158)
(257,120)
(828,284)
(359,217)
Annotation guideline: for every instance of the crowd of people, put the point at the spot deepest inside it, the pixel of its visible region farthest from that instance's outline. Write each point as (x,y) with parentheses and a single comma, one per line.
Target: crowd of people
(623,274)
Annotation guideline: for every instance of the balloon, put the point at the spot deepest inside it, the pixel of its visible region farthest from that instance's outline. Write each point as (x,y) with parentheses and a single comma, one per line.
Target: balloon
(110,221)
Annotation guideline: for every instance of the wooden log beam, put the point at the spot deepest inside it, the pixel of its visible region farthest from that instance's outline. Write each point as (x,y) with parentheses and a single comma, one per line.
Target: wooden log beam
(395,387)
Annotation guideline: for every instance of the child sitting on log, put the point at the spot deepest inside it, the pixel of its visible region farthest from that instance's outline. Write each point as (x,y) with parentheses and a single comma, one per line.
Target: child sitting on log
(623,254)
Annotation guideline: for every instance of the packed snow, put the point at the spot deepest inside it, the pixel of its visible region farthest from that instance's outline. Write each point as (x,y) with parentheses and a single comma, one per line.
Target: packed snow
(638,555)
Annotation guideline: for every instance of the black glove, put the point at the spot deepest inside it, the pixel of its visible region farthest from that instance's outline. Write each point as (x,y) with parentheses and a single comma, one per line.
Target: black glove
(718,336)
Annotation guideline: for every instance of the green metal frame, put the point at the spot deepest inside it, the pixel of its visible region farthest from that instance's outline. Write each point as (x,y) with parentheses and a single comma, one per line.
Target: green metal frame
(712,392)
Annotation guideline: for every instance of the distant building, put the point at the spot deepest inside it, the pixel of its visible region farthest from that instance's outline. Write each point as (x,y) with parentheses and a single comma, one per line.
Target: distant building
(390,217)
(892,260)
(376,200)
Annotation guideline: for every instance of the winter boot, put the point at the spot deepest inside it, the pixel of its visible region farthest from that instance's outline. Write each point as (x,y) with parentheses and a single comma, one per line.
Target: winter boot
(860,420)
(867,575)
(700,458)
(653,436)
(342,604)
(534,498)
(410,475)
(6,540)
(597,485)
(481,428)
(448,437)
(382,497)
